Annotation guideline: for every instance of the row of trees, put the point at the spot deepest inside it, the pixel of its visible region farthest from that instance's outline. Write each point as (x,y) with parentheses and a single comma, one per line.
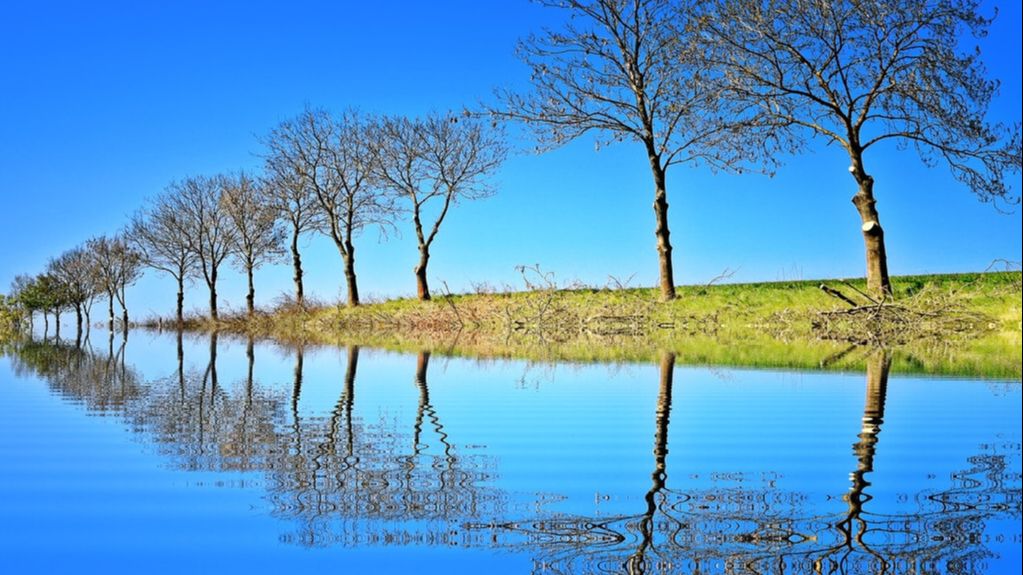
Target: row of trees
(103,265)
(324,173)
(728,84)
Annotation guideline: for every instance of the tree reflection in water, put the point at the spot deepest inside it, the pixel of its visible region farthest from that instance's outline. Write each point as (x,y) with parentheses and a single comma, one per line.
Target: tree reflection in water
(350,482)
(767,531)
(342,480)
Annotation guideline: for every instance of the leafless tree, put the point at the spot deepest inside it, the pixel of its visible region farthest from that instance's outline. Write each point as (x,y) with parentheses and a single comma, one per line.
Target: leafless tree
(256,236)
(435,162)
(628,70)
(286,189)
(335,158)
(862,73)
(199,203)
(117,265)
(157,232)
(73,270)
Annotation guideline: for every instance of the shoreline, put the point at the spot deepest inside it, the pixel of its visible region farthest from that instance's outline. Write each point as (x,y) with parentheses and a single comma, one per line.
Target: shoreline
(958,324)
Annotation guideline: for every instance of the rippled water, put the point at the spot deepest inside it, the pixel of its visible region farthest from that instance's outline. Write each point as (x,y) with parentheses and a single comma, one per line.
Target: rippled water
(162,454)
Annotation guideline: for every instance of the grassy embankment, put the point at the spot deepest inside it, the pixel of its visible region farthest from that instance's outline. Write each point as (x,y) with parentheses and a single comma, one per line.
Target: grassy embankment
(961,324)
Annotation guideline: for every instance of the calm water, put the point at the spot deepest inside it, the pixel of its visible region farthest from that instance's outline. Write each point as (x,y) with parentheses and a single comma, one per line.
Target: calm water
(200,455)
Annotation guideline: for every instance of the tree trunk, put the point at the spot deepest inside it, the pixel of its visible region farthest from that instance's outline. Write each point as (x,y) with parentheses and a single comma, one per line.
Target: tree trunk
(422,288)
(661,231)
(56,332)
(46,325)
(181,364)
(878,365)
(78,326)
(250,354)
(878,283)
(250,298)
(350,279)
(181,301)
(124,308)
(422,365)
(110,309)
(637,562)
(213,295)
(296,386)
(213,364)
(296,261)
(350,372)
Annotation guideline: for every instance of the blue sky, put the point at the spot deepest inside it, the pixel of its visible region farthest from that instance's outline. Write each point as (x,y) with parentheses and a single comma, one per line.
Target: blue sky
(105,103)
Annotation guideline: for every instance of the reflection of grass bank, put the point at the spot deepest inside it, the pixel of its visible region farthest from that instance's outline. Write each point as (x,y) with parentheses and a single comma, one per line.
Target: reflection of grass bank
(762,325)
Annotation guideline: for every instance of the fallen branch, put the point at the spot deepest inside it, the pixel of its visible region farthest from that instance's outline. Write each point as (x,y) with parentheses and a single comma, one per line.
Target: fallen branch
(835,293)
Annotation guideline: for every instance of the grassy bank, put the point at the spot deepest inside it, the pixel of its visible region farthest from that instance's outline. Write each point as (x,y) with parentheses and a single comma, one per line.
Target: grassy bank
(965,324)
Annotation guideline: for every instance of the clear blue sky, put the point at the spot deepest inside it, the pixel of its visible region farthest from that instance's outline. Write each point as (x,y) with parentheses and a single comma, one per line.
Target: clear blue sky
(105,103)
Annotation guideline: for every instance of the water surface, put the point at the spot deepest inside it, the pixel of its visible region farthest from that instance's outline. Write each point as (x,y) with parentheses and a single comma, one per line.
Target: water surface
(168,453)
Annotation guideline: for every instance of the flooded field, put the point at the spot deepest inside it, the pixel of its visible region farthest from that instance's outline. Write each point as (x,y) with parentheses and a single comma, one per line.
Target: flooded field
(121,454)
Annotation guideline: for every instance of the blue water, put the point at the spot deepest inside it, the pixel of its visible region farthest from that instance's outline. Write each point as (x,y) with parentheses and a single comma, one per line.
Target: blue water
(115,458)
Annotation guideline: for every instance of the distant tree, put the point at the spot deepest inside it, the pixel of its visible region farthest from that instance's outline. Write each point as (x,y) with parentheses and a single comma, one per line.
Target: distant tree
(630,70)
(12,316)
(157,232)
(435,162)
(21,287)
(47,295)
(865,72)
(118,265)
(199,203)
(256,237)
(335,158)
(76,277)
(286,188)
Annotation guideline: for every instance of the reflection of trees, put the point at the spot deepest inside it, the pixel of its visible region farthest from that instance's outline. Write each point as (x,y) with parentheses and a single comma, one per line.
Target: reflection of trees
(344,479)
(201,424)
(102,382)
(339,478)
(349,481)
(763,530)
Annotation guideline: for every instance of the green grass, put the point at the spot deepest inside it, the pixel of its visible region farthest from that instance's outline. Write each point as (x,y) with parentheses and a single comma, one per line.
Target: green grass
(753,324)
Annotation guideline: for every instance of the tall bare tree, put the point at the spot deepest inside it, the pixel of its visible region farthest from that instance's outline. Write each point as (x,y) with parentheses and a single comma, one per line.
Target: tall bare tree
(157,232)
(335,158)
(860,73)
(435,162)
(199,203)
(287,190)
(628,70)
(117,265)
(256,235)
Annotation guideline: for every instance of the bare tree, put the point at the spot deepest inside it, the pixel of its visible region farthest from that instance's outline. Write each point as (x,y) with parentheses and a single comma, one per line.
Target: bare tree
(627,69)
(157,232)
(199,203)
(862,73)
(104,262)
(287,190)
(116,265)
(436,162)
(335,158)
(256,236)
(73,270)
